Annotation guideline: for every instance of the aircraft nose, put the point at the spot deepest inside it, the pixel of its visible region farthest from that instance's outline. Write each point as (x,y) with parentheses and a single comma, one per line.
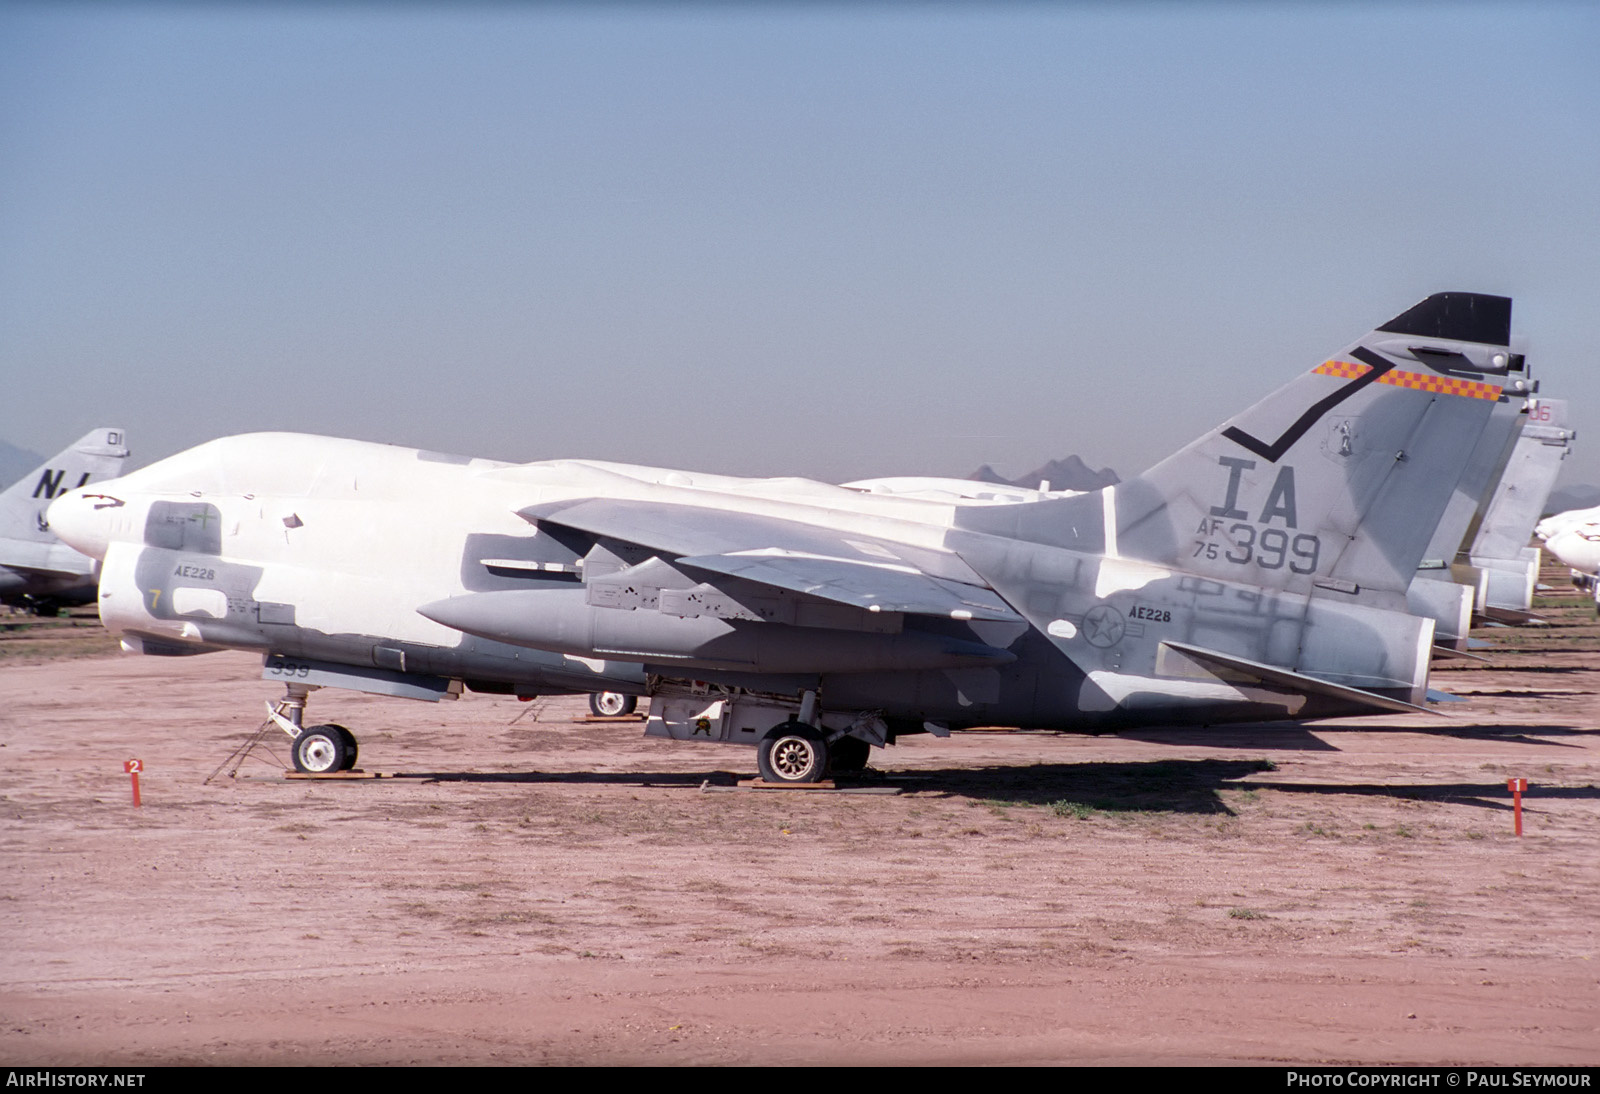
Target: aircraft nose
(82,518)
(1577,547)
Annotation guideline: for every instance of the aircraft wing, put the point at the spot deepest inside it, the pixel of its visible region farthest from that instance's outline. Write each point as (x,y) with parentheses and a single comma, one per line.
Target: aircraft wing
(831,564)
(863,585)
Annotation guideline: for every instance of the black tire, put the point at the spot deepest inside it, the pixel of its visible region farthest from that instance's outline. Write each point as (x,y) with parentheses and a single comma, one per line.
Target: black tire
(320,750)
(849,754)
(792,753)
(352,750)
(612,704)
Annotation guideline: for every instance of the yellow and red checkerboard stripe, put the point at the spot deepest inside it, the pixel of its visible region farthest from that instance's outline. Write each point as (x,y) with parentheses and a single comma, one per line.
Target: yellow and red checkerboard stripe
(1421,381)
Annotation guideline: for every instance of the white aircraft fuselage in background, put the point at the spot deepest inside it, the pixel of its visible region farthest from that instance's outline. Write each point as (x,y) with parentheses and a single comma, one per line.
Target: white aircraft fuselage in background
(1574,538)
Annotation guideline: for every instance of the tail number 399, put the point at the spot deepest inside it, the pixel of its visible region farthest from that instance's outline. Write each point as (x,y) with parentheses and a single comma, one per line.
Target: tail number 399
(1269,549)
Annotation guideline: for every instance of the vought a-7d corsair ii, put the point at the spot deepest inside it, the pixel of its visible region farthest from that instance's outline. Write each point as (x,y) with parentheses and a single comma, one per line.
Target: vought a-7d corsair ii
(37,571)
(1260,573)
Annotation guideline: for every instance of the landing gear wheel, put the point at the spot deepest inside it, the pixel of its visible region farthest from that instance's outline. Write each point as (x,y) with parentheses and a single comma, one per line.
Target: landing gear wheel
(611,704)
(792,753)
(321,750)
(849,754)
(351,749)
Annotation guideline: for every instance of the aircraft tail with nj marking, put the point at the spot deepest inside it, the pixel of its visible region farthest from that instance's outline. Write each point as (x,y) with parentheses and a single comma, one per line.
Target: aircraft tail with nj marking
(99,454)
(1333,484)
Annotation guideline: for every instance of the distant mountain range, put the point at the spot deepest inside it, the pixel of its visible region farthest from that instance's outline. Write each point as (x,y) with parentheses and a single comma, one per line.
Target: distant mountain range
(1578,496)
(1073,474)
(1068,474)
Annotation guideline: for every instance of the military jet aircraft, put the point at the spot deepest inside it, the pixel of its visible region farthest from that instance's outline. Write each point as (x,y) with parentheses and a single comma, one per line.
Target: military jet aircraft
(1478,566)
(1505,567)
(1438,590)
(37,570)
(1259,573)
(1574,538)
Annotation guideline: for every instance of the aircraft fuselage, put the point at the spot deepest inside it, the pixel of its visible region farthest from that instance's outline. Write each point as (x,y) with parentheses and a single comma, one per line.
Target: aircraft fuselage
(320,552)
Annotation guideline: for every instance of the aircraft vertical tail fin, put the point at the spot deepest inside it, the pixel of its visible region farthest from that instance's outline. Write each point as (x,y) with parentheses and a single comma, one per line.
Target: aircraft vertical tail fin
(1336,481)
(99,454)
(1508,569)
(1529,478)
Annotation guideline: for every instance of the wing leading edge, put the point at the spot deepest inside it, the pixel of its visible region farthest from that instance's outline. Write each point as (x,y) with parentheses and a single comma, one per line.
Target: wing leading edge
(862,572)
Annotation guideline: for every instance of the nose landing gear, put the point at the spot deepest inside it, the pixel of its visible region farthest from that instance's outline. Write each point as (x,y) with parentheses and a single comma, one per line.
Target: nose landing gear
(317,750)
(321,750)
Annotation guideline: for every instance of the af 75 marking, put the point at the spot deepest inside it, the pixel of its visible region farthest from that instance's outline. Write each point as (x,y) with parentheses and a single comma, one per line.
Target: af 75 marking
(1268,548)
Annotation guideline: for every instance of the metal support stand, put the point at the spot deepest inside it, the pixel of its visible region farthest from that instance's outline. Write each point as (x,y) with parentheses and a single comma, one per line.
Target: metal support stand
(532,710)
(287,714)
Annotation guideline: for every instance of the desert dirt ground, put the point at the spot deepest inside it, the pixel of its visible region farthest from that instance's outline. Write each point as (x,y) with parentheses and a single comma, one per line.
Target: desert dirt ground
(535,888)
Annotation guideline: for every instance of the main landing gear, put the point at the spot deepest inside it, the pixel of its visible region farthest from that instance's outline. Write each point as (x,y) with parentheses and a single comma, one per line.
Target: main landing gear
(612,704)
(317,750)
(795,752)
(849,755)
(792,752)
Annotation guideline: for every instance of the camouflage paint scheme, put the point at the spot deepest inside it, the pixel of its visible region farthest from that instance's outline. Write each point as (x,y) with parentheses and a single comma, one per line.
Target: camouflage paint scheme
(1259,573)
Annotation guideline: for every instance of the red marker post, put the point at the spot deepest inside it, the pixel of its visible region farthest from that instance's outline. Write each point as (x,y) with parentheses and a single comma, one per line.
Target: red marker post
(1517,786)
(133,767)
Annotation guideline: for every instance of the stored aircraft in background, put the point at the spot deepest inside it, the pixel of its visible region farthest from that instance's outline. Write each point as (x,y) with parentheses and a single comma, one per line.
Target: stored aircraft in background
(1505,567)
(37,571)
(1260,573)
(1574,538)
(1478,567)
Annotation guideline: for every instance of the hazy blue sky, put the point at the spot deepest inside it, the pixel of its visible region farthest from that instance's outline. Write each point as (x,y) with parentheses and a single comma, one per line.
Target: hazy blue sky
(818,239)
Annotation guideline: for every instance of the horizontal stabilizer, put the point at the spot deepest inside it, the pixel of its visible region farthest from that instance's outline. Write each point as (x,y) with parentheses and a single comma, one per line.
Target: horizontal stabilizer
(1512,617)
(1273,676)
(1450,653)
